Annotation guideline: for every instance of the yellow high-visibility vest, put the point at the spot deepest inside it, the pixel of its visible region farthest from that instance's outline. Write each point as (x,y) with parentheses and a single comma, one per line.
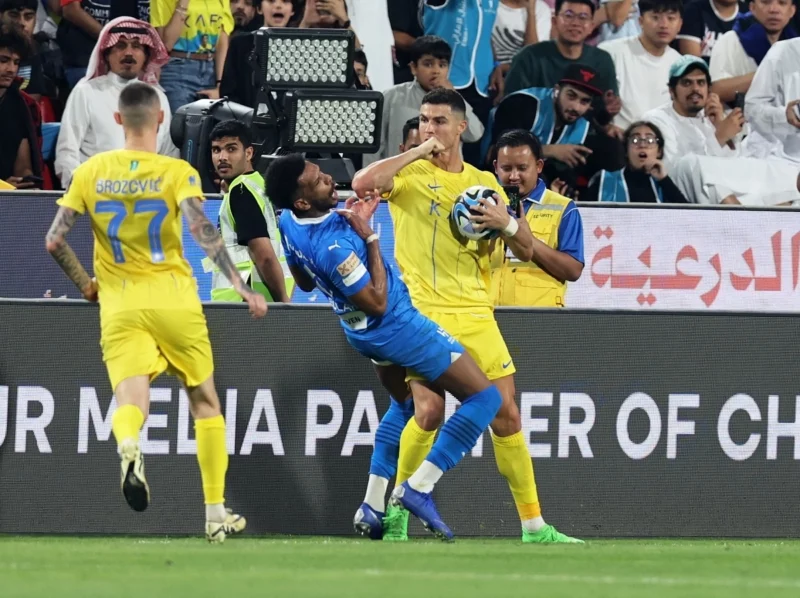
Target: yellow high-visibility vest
(525,284)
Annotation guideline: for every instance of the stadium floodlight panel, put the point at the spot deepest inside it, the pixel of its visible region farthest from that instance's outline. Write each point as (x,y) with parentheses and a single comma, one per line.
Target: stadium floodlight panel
(315,58)
(334,121)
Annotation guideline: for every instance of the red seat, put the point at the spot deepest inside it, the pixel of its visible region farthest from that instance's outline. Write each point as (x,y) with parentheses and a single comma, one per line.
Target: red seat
(46,110)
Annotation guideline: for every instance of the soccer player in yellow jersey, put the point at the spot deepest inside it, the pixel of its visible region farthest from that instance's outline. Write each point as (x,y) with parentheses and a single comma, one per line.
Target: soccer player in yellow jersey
(150,314)
(449,280)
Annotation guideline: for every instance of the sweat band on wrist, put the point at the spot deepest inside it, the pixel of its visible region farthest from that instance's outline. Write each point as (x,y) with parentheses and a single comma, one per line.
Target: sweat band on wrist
(512,228)
(372,237)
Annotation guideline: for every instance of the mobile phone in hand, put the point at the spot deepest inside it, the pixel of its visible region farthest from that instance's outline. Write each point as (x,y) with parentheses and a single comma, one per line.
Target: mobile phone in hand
(36,180)
(512,191)
(738,101)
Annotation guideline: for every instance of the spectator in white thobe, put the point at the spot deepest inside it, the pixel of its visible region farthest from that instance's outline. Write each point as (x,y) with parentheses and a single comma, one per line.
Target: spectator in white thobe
(127,50)
(773,101)
(702,148)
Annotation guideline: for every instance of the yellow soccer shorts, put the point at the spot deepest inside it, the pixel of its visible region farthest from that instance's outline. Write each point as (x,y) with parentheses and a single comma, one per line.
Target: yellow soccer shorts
(479,334)
(148,342)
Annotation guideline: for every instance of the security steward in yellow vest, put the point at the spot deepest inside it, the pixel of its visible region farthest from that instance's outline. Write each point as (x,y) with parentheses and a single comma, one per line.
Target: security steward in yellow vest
(556,225)
(247,220)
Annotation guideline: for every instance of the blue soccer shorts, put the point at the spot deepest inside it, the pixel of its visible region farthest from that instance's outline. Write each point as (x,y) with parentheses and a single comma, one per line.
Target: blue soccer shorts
(412,341)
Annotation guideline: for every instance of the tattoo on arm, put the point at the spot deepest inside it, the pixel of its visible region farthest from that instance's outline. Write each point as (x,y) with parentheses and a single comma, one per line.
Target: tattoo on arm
(62,252)
(208,237)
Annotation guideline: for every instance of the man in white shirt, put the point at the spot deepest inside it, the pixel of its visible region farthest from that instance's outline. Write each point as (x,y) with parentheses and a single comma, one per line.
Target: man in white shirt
(642,62)
(127,50)
(702,151)
(773,101)
(737,54)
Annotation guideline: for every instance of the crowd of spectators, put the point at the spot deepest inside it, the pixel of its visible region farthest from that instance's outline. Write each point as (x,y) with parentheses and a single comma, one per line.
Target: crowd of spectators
(632,100)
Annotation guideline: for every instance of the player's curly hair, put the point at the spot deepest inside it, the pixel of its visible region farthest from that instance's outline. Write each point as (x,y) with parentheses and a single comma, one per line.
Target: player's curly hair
(282,182)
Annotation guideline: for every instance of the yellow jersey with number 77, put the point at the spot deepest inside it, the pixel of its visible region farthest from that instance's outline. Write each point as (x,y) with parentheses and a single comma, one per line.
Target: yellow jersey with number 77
(133,199)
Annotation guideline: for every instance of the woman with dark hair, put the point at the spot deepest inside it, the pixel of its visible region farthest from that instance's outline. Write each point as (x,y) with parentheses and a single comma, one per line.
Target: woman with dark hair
(644,177)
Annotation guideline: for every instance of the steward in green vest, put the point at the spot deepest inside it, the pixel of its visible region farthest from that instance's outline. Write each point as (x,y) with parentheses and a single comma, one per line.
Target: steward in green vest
(247,221)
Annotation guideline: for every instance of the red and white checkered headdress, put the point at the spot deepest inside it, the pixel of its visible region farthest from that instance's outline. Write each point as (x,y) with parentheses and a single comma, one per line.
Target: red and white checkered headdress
(130,29)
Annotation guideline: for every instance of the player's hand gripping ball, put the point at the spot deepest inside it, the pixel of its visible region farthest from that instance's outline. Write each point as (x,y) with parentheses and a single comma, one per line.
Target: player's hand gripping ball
(465,205)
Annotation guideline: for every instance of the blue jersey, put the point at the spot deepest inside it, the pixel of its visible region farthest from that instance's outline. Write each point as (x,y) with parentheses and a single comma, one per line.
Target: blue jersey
(331,252)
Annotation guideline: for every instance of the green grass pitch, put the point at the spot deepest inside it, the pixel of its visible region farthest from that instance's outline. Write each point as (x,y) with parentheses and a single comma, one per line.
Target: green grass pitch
(45,567)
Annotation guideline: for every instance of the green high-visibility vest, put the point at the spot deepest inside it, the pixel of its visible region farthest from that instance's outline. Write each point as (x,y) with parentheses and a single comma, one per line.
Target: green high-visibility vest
(221,288)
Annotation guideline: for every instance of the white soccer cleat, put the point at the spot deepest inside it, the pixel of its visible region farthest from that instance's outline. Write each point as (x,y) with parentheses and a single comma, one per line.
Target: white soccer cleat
(134,484)
(216,532)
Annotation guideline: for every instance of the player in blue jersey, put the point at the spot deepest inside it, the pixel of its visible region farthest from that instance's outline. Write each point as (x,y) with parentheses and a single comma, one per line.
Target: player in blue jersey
(336,251)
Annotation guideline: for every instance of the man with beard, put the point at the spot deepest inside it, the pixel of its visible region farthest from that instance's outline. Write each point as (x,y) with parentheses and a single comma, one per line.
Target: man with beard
(574,147)
(80,26)
(336,252)
(128,50)
(247,220)
(702,151)
(449,282)
(244,16)
(543,64)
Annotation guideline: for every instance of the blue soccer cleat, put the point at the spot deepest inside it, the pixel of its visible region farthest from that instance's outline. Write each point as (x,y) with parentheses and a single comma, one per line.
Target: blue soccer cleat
(421,505)
(368,522)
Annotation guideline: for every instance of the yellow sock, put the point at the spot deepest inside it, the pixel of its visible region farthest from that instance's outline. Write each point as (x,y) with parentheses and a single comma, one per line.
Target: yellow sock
(126,422)
(415,444)
(212,457)
(515,465)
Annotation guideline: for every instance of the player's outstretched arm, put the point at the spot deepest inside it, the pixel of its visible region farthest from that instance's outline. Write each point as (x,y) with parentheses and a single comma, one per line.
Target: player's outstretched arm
(208,237)
(380,175)
(58,247)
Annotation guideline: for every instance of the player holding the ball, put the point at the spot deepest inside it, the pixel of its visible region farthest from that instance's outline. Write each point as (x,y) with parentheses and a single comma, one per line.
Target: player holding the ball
(449,277)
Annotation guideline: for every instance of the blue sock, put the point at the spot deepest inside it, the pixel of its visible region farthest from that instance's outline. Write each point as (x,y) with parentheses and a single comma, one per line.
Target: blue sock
(387,438)
(460,433)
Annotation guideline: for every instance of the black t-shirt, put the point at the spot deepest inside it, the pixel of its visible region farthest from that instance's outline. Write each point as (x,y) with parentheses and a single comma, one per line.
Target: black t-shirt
(12,123)
(640,189)
(138,9)
(250,222)
(795,22)
(32,75)
(703,24)
(238,82)
(520,112)
(77,45)
(404,16)
(256,23)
